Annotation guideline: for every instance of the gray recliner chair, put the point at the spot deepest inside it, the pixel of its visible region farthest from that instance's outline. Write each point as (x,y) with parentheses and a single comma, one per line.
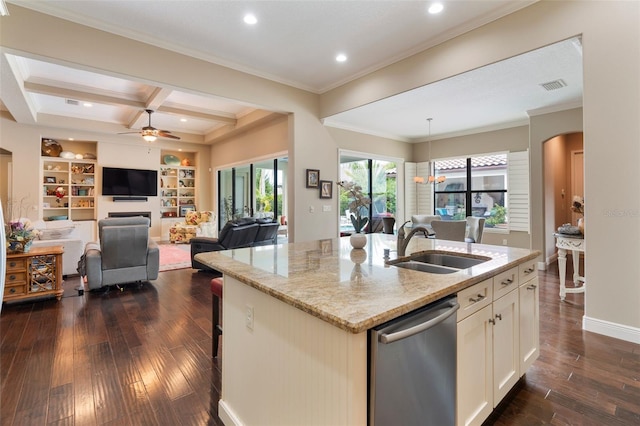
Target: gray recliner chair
(124,253)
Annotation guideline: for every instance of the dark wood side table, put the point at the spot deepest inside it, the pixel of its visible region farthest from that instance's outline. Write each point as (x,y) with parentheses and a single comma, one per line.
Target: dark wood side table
(36,273)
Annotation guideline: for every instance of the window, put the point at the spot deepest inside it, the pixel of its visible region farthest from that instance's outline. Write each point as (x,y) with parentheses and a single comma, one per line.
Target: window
(474,186)
(256,189)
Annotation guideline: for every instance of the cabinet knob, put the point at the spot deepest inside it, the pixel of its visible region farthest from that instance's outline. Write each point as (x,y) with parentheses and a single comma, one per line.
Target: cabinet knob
(12,290)
(528,270)
(531,287)
(12,264)
(499,316)
(492,321)
(12,277)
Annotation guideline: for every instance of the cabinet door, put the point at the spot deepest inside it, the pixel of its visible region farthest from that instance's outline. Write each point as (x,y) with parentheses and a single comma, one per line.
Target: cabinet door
(506,346)
(529,324)
(475,369)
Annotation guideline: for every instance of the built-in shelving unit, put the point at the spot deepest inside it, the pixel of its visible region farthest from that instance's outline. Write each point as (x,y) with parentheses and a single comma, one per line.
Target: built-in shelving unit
(177,185)
(68,188)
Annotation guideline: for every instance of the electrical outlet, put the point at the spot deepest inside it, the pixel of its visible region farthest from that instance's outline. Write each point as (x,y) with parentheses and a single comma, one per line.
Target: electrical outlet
(248,317)
(326,208)
(312,209)
(504,242)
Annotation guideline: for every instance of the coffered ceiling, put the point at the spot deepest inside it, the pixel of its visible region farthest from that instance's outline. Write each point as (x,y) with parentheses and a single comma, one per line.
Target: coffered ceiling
(295,43)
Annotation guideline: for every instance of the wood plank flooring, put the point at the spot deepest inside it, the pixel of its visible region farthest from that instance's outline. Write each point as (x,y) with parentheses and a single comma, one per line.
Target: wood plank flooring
(142,356)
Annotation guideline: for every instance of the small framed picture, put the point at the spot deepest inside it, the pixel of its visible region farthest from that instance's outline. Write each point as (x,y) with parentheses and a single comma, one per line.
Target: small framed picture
(49,179)
(326,189)
(184,208)
(313,178)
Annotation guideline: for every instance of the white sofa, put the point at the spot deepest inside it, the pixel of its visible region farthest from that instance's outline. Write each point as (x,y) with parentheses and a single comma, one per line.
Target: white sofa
(61,233)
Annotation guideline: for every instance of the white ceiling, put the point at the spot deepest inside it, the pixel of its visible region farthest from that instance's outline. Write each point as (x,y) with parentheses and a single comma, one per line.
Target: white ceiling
(295,42)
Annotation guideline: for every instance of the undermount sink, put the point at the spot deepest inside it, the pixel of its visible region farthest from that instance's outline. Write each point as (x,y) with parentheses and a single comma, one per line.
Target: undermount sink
(450,260)
(438,263)
(425,267)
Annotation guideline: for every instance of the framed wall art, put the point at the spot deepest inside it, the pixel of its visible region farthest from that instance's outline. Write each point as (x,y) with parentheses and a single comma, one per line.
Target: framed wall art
(313,178)
(326,189)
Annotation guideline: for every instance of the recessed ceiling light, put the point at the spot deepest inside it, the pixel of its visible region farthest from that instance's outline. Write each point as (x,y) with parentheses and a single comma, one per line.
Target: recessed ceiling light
(435,8)
(250,19)
(70,139)
(87,104)
(184,120)
(341,57)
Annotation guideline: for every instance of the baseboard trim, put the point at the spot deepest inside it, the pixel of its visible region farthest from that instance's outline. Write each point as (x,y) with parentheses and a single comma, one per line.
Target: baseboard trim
(226,414)
(611,329)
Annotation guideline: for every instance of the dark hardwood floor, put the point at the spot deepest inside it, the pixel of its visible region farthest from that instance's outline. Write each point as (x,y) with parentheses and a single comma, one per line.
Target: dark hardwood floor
(142,356)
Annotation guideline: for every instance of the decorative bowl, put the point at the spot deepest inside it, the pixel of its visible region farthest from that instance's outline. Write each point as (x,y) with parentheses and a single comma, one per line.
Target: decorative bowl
(171,160)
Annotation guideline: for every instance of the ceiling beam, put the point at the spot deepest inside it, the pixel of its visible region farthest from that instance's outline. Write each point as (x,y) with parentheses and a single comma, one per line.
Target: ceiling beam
(60,92)
(228,119)
(157,97)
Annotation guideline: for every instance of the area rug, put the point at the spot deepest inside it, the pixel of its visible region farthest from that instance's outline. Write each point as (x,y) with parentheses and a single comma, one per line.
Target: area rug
(174,256)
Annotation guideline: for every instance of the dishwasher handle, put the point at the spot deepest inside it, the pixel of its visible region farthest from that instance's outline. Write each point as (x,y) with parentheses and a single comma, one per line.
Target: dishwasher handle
(392,337)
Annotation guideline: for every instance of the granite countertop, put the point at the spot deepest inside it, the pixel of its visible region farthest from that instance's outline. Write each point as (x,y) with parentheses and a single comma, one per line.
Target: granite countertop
(354,289)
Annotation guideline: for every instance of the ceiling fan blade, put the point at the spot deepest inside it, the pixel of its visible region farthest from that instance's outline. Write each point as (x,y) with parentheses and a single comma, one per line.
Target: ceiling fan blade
(166,134)
(128,133)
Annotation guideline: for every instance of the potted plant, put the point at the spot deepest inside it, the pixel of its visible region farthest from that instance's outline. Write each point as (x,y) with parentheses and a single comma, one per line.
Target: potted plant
(358,205)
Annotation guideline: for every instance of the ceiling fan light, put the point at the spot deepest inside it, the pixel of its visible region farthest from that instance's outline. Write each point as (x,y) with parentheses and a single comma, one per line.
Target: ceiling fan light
(149,138)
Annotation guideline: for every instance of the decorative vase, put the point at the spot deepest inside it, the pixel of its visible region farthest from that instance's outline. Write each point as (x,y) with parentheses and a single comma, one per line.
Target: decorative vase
(16,246)
(358,240)
(581,225)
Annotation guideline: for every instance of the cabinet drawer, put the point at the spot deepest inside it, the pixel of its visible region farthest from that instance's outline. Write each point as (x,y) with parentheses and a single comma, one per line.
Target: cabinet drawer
(15,290)
(505,282)
(17,277)
(474,298)
(16,265)
(527,271)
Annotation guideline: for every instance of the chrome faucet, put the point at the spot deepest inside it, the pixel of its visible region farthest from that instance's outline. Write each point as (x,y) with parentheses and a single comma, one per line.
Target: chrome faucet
(404,241)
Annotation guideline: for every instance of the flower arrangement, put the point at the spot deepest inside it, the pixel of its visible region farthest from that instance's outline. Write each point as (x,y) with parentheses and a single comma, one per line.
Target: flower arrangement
(577,204)
(20,234)
(356,205)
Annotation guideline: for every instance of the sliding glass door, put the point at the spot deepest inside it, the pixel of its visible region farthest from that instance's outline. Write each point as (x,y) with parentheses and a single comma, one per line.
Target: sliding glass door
(378,179)
(252,190)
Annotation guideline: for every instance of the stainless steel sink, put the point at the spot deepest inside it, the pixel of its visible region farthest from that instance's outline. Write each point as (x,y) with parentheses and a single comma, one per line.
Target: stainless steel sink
(438,263)
(425,267)
(449,260)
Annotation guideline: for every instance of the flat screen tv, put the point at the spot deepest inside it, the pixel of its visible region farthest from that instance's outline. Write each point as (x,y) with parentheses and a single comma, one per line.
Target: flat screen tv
(129,182)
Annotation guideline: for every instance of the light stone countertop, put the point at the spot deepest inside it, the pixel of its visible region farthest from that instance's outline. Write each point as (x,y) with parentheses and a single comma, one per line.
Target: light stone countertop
(354,289)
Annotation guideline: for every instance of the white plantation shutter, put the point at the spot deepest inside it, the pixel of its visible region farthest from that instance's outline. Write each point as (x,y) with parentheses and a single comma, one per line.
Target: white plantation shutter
(425,191)
(410,206)
(518,191)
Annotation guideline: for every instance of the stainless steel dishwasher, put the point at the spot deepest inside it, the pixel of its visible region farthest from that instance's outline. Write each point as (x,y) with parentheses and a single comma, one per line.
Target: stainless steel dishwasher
(413,368)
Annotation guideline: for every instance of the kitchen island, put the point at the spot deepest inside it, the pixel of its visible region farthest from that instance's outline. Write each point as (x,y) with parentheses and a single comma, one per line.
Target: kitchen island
(296,317)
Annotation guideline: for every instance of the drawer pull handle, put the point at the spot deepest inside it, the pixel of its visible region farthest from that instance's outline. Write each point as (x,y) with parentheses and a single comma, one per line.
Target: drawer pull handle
(492,321)
(531,287)
(12,277)
(528,270)
(507,282)
(477,299)
(499,316)
(13,290)
(13,264)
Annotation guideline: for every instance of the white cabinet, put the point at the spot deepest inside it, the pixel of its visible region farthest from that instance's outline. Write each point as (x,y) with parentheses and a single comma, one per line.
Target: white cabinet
(506,344)
(529,294)
(475,368)
(489,360)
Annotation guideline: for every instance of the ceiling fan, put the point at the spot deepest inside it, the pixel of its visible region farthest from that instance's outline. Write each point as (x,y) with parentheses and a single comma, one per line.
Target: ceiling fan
(150,133)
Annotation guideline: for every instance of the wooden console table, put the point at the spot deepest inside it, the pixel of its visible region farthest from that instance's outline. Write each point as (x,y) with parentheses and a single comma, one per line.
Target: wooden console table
(577,245)
(34,274)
